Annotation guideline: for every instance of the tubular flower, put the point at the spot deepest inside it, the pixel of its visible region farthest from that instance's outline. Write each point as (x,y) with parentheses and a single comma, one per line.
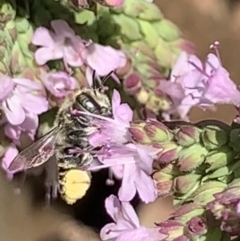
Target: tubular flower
(10,153)
(64,44)
(59,84)
(103,60)
(19,103)
(60,44)
(113,129)
(195,84)
(126,225)
(133,164)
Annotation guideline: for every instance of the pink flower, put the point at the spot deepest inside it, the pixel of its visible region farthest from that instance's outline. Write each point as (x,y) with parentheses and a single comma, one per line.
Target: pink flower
(21,105)
(59,84)
(195,84)
(28,126)
(60,44)
(132,163)
(116,129)
(64,44)
(103,59)
(18,99)
(10,153)
(126,225)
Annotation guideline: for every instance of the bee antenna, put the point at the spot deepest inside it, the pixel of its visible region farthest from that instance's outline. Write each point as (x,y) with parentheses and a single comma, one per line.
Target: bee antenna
(107,77)
(94,78)
(101,82)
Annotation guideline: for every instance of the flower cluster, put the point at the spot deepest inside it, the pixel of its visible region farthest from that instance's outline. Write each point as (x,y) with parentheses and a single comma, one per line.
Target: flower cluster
(193,83)
(198,164)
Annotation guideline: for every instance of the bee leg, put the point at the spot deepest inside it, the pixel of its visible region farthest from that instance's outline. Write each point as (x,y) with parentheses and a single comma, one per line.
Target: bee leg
(51,181)
(51,192)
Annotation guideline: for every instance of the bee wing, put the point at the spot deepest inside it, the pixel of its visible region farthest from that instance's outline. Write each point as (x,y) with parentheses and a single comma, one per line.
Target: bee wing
(35,154)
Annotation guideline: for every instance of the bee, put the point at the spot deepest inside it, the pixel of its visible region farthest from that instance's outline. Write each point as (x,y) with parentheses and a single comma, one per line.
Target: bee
(71,132)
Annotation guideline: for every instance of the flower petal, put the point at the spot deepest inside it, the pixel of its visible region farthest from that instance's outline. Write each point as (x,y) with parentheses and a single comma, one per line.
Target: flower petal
(45,54)
(145,187)
(89,76)
(61,28)
(113,207)
(109,232)
(13,132)
(34,104)
(124,113)
(129,214)
(6,86)
(72,57)
(43,37)
(30,125)
(28,84)
(104,59)
(9,155)
(141,234)
(13,110)
(127,190)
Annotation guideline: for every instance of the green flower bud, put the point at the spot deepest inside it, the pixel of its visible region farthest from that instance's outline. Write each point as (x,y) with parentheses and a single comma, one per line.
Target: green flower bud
(157,131)
(156,103)
(214,137)
(128,27)
(164,54)
(235,139)
(174,229)
(204,194)
(220,174)
(187,135)
(138,133)
(219,158)
(191,157)
(151,36)
(145,11)
(167,30)
(184,184)
(188,211)
(164,183)
(169,152)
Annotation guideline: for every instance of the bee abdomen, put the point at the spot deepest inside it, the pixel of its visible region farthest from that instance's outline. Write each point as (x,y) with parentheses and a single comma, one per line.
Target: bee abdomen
(77,138)
(70,160)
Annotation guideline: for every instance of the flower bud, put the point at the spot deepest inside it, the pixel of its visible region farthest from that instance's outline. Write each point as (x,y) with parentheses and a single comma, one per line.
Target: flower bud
(225,208)
(220,173)
(132,83)
(169,152)
(157,131)
(205,193)
(164,183)
(174,229)
(187,211)
(151,36)
(142,96)
(219,158)
(235,139)
(184,184)
(148,11)
(158,103)
(167,30)
(196,227)
(138,134)
(191,157)
(187,135)
(164,54)
(214,137)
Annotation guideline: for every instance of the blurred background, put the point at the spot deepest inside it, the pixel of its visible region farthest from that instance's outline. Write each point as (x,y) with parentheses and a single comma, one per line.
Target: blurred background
(202,22)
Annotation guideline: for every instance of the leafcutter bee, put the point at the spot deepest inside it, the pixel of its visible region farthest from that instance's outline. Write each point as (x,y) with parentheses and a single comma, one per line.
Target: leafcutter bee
(71,132)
